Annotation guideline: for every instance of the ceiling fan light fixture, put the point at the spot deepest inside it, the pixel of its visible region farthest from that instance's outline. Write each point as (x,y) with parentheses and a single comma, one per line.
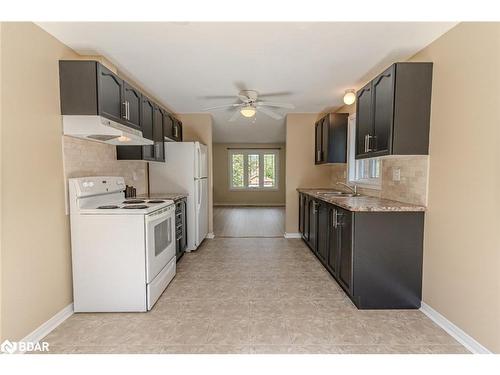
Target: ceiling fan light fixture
(349,96)
(248,111)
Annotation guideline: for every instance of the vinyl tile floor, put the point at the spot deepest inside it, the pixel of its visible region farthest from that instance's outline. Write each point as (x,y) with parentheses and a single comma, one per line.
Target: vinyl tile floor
(252,295)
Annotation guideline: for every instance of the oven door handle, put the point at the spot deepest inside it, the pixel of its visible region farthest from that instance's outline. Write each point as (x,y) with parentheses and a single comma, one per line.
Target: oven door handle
(152,218)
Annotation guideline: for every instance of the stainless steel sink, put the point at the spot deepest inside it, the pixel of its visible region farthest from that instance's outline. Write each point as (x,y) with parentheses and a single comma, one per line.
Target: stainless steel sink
(337,194)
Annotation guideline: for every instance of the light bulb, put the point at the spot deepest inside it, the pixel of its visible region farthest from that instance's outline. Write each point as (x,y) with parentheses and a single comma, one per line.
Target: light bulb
(123,139)
(248,111)
(349,97)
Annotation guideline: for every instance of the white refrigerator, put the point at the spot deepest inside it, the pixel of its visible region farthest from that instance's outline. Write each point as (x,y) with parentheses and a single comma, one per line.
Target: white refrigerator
(185,171)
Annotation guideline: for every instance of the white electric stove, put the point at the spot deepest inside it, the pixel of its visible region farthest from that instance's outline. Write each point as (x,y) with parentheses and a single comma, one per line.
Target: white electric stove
(123,250)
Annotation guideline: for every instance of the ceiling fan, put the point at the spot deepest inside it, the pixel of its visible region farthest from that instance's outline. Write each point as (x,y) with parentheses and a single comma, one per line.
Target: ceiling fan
(249,105)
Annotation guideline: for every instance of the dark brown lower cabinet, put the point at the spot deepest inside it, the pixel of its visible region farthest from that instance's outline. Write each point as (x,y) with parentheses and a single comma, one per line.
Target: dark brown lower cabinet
(376,257)
(322,234)
(180,227)
(312,227)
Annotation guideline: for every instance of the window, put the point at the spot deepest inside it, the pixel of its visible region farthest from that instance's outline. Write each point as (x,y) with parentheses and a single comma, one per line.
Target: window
(253,169)
(361,172)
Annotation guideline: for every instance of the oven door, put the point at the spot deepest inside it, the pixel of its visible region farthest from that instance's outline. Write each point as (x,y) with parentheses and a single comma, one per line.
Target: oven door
(160,240)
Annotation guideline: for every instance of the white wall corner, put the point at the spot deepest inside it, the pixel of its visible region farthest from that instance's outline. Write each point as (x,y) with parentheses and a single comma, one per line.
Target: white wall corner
(293,235)
(454,331)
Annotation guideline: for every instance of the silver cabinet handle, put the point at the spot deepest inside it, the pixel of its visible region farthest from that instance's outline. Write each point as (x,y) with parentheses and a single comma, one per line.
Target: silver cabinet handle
(367,143)
(124,110)
(318,155)
(128,110)
(334,218)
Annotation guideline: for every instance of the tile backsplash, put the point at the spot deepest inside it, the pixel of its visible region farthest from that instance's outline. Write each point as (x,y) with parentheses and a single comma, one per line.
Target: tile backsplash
(411,187)
(84,158)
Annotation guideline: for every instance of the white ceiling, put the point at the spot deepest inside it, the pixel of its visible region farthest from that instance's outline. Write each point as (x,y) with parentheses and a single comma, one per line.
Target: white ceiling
(311,64)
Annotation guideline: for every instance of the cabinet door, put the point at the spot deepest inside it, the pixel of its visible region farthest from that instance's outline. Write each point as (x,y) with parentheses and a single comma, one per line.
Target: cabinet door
(344,232)
(305,214)
(383,111)
(364,119)
(312,225)
(177,130)
(184,226)
(333,242)
(132,105)
(301,214)
(110,94)
(318,154)
(325,138)
(159,152)
(168,125)
(322,232)
(147,115)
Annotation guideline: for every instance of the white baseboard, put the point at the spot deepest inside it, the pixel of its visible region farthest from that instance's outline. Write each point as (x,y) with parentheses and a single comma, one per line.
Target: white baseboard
(51,324)
(458,334)
(293,235)
(249,204)
(210,235)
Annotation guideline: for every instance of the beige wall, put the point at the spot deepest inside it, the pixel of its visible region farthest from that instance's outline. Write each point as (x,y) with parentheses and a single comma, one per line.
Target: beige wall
(462,246)
(301,170)
(222,193)
(35,261)
(198,127)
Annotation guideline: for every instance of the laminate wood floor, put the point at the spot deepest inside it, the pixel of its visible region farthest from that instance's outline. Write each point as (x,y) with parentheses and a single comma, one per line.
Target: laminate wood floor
(249,221)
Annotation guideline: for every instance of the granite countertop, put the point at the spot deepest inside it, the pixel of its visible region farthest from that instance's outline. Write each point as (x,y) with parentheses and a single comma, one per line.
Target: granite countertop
(171,196)
(362,203)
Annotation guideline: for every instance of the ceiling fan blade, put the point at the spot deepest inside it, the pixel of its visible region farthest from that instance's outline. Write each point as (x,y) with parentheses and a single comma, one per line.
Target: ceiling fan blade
(277,93)
(235,115)
(273,104)
(243,98)
(240,85)
(216,97)
(270,113)
(223,106)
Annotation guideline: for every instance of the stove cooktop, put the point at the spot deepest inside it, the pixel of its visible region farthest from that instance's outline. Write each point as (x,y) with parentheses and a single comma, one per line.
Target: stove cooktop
(135,207)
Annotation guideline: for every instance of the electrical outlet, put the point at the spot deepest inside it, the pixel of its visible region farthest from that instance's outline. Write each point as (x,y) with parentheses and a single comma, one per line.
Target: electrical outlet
(396,174)
(134,176)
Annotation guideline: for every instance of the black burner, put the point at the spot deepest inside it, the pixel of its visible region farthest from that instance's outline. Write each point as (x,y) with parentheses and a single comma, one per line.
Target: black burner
(134,201)
(109,207)
(135,206)
(157,201)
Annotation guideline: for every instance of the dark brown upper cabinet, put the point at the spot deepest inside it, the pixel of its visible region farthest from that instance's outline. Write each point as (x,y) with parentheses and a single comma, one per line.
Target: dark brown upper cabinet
(159,146)
(393,112)
(177,130)
(168,126)
(110,91)
(132,103)
(331,139)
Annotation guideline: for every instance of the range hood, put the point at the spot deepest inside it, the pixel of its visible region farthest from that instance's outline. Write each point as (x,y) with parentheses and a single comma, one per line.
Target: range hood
(101,129)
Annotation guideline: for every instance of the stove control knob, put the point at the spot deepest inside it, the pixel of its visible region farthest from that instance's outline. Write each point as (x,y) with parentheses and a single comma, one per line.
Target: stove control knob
(91,184)
(85,184)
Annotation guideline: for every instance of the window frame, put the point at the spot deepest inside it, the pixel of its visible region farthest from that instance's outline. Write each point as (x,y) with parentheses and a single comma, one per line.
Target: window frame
(354,164)
(261,152)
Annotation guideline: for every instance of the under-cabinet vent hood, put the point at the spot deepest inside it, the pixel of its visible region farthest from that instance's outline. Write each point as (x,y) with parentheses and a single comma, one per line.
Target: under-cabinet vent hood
(101,129)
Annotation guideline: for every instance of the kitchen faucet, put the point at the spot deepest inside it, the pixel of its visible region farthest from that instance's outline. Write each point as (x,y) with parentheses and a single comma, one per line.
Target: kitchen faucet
(354,190)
